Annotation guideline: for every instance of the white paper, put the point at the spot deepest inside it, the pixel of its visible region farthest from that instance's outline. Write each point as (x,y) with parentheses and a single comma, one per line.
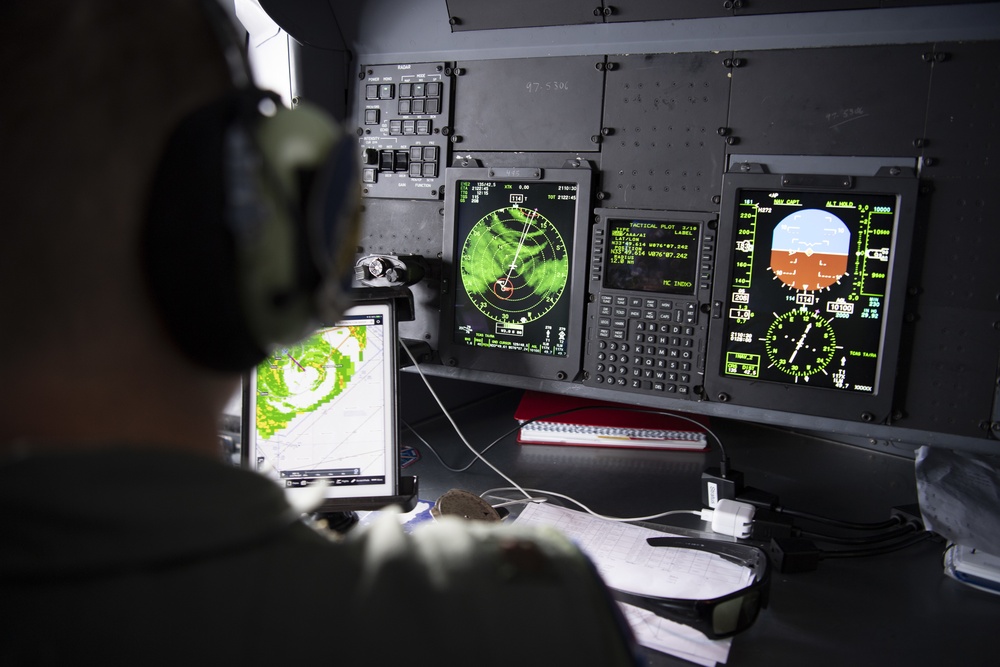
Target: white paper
(959,494)
(626,561)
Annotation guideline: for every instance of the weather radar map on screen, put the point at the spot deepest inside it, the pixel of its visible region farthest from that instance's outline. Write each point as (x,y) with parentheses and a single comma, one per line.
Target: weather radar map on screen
(320,410)
(514,245)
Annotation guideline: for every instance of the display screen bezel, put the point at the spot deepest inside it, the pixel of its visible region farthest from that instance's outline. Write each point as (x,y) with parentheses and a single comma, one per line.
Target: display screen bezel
(456,308)
(789,394)
(342,491)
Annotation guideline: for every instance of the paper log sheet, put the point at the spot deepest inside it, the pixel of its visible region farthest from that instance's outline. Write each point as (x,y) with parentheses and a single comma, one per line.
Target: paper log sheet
(626,561)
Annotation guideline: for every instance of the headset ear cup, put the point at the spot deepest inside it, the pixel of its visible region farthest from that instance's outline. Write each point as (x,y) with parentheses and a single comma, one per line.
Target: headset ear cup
(189,254)
(309,163)
(251,215)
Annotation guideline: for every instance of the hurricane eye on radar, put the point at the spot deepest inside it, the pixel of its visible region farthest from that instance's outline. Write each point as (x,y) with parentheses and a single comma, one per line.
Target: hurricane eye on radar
(514,265)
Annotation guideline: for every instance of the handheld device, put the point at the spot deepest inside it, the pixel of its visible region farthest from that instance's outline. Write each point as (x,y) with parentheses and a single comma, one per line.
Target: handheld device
(322,413)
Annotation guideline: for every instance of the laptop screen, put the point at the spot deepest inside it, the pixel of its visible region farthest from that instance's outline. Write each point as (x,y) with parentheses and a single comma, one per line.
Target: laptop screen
(323,411)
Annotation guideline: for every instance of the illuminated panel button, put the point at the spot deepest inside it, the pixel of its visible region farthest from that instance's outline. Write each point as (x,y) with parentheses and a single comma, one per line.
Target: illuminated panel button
(371,116)
(371,91)
(418,90)
(385,91)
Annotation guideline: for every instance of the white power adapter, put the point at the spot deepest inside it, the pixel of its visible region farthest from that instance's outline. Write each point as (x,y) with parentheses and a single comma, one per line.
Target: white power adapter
(730,517)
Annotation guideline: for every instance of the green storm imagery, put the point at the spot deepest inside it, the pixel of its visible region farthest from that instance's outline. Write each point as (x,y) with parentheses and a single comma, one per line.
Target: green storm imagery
(508,250)
(297,380)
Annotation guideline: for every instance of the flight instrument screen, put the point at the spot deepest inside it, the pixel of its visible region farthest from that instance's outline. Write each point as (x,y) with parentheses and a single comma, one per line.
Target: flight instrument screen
(808,291)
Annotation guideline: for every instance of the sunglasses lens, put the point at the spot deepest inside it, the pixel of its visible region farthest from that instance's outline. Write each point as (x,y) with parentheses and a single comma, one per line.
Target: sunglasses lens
(736,614)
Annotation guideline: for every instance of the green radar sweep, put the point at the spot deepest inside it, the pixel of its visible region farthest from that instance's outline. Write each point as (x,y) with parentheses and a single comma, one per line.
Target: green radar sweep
(514,265)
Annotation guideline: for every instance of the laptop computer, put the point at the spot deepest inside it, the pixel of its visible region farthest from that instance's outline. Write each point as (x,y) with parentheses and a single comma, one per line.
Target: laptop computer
(321,414)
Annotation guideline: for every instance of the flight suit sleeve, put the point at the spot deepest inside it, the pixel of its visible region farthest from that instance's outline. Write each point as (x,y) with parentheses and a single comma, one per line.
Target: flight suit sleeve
(462,592)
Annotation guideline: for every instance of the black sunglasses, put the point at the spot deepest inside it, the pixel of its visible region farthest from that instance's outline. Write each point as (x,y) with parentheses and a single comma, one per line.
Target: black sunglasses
(719,617)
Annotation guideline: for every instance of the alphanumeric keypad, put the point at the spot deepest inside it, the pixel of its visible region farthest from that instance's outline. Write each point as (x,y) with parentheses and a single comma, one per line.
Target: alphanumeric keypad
(646,344)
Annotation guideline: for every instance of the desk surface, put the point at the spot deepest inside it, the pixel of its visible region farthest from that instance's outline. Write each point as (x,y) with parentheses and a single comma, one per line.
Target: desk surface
(896,608)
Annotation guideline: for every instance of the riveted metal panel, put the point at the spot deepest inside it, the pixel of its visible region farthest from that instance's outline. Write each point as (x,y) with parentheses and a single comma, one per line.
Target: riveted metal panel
(663,149)
(528,104)
(835,101)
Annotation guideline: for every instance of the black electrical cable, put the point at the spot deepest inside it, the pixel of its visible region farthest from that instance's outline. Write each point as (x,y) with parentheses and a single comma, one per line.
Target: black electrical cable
(881,525)
(866,539)
(875,551)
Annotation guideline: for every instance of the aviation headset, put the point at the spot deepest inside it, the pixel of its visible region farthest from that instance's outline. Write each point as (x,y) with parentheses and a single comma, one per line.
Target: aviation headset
(251,221)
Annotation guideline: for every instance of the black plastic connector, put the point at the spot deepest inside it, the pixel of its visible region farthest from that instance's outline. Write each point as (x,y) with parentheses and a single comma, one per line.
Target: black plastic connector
(908,515)
(715,487)
(768,525)
(793,554)
(758,498)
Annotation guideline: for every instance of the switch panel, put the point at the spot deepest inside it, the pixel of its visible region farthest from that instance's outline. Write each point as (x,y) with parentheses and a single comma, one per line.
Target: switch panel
(404,123)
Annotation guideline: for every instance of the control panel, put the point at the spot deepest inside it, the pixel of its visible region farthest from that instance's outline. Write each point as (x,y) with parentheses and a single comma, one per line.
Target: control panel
(405,116)
(650,286)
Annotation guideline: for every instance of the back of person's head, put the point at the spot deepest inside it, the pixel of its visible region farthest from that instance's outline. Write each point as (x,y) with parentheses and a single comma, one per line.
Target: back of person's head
(92,88)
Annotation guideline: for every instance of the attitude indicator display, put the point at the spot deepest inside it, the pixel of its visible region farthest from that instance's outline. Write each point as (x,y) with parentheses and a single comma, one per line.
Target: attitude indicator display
(810,278)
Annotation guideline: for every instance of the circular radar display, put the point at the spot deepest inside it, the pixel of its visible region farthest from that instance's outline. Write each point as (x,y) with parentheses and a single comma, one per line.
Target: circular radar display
(800,343)
(809,249)
(514,265)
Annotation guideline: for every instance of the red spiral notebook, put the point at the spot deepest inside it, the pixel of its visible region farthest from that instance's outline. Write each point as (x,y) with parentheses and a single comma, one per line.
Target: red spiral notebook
(596,423)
